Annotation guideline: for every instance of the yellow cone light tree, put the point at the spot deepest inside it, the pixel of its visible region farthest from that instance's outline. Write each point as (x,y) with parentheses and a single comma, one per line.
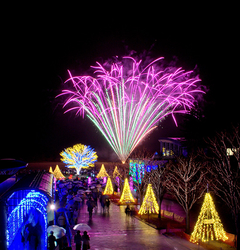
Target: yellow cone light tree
(109,187)
(208,226)
(50,170)
(57,173)
(126,196)
(149,204)
(102,173)
(116,173)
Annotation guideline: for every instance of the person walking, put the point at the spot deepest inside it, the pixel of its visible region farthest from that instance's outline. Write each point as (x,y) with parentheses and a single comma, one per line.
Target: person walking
(51,241)
(90,207)
(77,240)
(107,202)
(127,210)
(85,240)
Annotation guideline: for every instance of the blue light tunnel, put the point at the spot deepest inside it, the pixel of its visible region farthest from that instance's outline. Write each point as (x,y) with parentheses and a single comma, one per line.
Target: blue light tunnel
(22,207)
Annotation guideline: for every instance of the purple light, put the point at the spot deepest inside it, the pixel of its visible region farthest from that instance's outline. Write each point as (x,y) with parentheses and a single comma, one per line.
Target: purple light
(127,101)
(89,180)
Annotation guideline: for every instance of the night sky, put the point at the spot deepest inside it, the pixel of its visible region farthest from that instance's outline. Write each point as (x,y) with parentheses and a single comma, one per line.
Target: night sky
(40,46)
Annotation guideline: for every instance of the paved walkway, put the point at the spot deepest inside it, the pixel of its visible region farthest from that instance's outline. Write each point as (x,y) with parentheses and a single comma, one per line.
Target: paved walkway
(114,230)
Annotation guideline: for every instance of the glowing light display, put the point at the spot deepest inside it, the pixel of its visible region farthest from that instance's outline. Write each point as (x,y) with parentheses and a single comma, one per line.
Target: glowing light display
(116,173)
(57,173)
(149,204)
(102,173)
(34,204)
(79,156)
(109,187)
(127,100)
(50,170)
(208,226)
(126,196)
(137,170)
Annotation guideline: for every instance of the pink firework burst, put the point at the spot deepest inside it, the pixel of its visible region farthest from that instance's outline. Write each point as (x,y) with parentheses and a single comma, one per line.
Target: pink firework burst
(126,101)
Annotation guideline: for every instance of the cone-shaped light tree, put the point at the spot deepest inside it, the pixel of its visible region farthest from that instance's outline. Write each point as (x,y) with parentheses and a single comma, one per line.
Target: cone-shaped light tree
(57,173)
(116,173)
(109,187)
(102,173)
(79,156)
(126,196)
(208,226)
(149,204)
(50,170)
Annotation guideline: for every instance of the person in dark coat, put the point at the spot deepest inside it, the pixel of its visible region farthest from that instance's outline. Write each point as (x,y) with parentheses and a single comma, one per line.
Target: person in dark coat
(77,240)
(90,205)
(32,231)
(127,210)
(51,241)
(107,202)
(85,240)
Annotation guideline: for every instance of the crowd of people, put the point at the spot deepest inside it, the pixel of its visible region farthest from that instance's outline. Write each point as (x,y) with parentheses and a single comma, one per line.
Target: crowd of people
(71,196)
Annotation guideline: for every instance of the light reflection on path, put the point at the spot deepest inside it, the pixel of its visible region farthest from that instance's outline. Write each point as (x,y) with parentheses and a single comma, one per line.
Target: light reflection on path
(114,230)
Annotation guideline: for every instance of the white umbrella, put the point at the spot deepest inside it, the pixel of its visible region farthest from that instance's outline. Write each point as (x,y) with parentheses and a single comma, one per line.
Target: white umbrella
(57,231)
(82,227)
(88,191)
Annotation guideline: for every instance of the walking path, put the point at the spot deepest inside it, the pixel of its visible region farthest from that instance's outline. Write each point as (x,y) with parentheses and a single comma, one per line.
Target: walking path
(114,230)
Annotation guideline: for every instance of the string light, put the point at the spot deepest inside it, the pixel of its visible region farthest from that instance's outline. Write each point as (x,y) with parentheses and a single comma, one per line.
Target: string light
(21,210)
(102,173)
(126,196)
(136,170)
(149,204)
(208,226)
(50,170)
(116,173)
(57,173)
(109,187)
(79,156)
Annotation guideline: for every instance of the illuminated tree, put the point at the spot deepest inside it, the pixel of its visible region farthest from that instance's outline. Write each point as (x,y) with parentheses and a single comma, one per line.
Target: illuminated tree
(126,196)
(158,177)
(187,183)
(116,177)
(79,156)
(102,173)
(225,170)
(50,170)
(149,204)
(109,187)
(116,173)
(208,226)
(57,173)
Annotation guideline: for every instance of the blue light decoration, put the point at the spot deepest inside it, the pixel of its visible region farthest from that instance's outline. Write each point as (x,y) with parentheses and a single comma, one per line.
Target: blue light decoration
(20,205)
(136,170)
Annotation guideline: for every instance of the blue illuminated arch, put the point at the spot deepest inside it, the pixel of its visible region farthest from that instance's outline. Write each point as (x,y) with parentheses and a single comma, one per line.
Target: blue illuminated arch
(19,205)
